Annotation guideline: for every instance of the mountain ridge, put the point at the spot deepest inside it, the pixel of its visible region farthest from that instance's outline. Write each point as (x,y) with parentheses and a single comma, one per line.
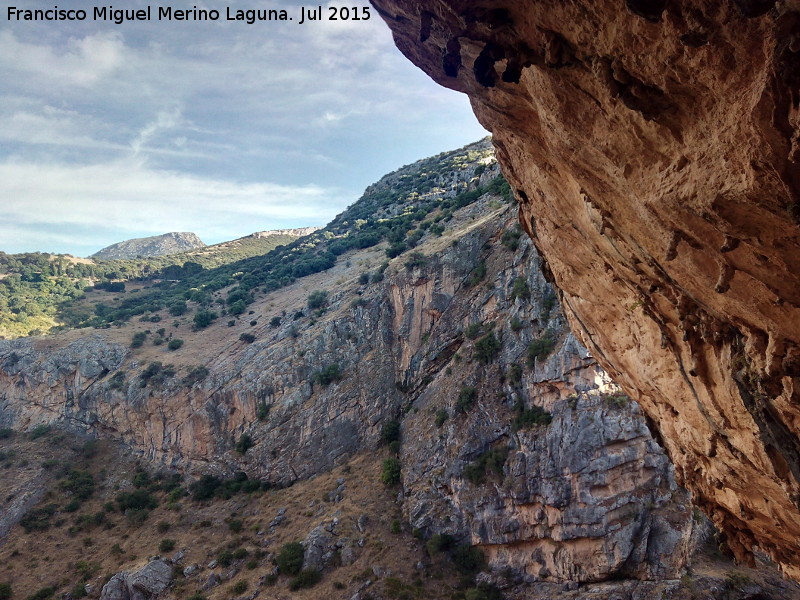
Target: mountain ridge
(173,242)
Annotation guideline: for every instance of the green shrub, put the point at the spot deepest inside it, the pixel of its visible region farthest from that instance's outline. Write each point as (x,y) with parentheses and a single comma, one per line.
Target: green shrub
(528,417)
(441,417)
(225,558)
(262,411)
(317,299)
(390,473)
(305,579)
(166,545)
(469,560)
(78,483)
(416,260)
(520,289)
(239,553)
(5,591)
(541,348)
(491,460)
(136,516)
(290,558)
(439,542)
(477,275)
(195,375)
(235,525)
(244,444)
(328,375)
(6,433)
(390,432)
(466,399)
(138,339)
(275,322)
(487,348)
(511,237)
(514,374)
(42,593)
(240,587)
(549,302)
(473,331)
(177,308)
(38,519)
(117,380)
(141,478)
(396,527)
(196,596)
(175,344)
(140,499)
(39,431)
(516,324)
(204,318)
(248,338)
(163,527)
(156,374)
(78,590)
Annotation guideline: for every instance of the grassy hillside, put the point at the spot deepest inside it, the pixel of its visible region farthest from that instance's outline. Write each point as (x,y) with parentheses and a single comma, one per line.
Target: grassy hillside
(102,512)
(39,291)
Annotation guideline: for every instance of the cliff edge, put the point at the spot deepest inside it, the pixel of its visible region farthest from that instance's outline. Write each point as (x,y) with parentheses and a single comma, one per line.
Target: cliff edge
(654,150)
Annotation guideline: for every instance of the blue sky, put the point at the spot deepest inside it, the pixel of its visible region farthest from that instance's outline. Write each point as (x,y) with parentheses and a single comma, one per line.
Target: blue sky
(109,132)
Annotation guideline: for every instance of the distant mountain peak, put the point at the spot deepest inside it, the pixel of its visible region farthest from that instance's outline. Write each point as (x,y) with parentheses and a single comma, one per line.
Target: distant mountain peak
(173,242)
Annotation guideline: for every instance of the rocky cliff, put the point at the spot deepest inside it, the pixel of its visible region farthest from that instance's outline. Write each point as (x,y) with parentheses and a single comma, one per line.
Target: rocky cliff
(158,245)
(654,150)
(513,439)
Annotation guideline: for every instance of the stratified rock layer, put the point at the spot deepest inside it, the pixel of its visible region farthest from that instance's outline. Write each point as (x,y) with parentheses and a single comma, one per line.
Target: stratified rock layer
(654,149)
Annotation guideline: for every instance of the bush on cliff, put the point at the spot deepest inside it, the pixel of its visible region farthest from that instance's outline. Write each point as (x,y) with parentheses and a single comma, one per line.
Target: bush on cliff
(390,473)
(290,558)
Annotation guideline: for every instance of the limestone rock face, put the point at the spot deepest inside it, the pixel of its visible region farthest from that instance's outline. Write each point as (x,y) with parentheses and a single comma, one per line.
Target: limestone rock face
(147,583)
(654,149)
(157,245)
(464,344)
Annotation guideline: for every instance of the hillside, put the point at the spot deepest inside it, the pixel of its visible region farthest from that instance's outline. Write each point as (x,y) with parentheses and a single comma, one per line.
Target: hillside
(158,245)
(414,342)
(41,293)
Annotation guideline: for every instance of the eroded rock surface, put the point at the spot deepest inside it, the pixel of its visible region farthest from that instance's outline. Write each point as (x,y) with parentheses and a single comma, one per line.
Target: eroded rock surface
(147,583)
(654,148)
(464,344)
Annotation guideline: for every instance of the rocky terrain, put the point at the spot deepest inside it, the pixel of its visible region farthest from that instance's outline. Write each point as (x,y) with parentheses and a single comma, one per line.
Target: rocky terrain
(653,147)
(447,372)
(157,245)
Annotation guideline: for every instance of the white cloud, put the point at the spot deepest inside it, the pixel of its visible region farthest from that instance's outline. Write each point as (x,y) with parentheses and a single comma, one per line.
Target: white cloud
(130,199)
(83,62)
(150,127)
(165,120)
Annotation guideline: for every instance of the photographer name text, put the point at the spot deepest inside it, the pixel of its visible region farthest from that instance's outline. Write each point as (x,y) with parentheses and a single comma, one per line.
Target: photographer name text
(301,15)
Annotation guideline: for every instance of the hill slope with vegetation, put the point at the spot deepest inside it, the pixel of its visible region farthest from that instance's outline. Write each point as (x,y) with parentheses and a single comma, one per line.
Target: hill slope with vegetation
(40,292)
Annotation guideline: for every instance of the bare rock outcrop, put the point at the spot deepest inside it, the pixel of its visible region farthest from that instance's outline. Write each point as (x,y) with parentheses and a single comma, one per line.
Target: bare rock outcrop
(147,583)
(514,439)
(157,245)
(654,149)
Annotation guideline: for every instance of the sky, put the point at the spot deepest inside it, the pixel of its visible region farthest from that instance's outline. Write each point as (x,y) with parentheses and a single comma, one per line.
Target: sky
(223,128)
